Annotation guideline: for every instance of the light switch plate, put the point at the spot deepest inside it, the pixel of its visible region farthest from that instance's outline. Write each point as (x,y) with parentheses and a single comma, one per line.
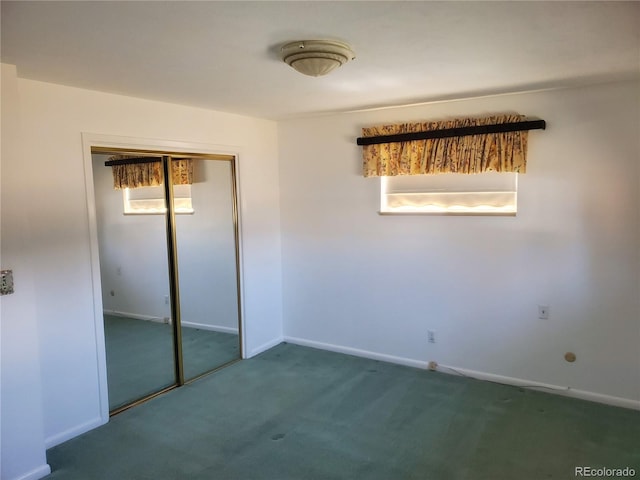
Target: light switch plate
(6,282)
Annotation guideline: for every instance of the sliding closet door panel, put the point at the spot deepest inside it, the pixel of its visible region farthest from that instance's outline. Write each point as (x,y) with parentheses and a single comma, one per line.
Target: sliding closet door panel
(135,292)
(208,282)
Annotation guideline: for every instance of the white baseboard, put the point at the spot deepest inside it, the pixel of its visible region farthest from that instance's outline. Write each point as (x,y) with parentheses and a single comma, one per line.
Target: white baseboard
(517,382)
(212,328)
(265,346)
(136,316)
(73,432)
(545,387)
(35,474)
(356,352)
(150,318)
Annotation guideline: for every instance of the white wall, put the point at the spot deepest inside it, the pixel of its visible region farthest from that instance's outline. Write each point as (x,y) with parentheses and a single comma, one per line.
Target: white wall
(373,285)
(51,119)
(22,433)
(133,252)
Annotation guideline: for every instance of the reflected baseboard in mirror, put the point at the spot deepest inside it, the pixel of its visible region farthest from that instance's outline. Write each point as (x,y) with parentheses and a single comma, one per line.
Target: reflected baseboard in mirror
(137,364)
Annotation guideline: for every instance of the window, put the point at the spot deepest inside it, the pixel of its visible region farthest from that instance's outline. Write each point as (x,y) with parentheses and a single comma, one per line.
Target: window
(488,193)
(150,200)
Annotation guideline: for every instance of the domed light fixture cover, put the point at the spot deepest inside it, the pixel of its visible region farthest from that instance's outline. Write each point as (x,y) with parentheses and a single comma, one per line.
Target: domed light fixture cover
(316,57)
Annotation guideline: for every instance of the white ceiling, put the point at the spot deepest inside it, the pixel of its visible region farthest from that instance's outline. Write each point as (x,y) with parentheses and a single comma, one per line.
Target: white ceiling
(224,55)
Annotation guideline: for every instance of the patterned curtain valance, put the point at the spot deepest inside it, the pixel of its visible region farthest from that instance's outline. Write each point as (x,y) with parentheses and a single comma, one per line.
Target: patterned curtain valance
(497,152)
(148,173)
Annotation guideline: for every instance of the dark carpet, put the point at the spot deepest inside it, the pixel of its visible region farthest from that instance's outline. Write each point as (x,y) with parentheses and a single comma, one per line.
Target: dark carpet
(140,356)
(299,413)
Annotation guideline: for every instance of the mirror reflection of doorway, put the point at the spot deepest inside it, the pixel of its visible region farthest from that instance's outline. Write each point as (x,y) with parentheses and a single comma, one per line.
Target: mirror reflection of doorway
(170,285)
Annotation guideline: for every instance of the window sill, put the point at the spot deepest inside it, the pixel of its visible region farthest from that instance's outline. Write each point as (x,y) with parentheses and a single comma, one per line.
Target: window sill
(452,214)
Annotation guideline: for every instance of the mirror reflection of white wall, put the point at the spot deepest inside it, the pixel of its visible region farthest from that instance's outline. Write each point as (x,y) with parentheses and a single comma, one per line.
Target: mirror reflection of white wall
(207,251)
(133,253)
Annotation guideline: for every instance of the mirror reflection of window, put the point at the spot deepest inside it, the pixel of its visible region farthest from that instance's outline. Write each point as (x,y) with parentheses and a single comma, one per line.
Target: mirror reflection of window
(150,200)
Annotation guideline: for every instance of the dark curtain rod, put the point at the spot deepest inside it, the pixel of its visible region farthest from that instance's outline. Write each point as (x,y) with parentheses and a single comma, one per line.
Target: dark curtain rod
(131,161)
(455,132)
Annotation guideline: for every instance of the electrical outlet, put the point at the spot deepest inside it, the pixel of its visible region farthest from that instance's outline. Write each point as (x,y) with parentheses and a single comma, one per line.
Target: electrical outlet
(166,299)
(543,312)
(431,336)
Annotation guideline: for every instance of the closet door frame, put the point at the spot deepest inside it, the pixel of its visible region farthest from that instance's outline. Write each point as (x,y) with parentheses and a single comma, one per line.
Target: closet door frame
(95,143)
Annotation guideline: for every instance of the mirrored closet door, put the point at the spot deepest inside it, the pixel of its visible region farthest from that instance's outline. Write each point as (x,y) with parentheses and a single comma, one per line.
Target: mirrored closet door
(208,281)
(168,248)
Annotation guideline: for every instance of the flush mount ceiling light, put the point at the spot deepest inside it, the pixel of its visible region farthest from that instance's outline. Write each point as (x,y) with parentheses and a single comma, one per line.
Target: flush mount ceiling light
(316,57)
